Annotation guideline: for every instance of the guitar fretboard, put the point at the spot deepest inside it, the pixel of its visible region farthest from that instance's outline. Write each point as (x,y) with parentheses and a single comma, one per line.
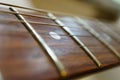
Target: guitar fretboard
(43,45)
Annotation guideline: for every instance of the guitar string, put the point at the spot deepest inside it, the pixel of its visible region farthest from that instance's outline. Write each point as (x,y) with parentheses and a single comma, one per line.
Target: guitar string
(32,22)
(97,35)
(105,29)
(34,9)
(57,63)
(15,13)
(50,24)
(10,5)
(18,6)
(76,39)
(38,10)
(28,14)
(60,34)
(45,17)
(109,31)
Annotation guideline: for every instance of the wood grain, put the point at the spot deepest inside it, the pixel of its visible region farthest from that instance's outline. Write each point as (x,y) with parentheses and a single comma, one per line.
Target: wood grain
(21,58)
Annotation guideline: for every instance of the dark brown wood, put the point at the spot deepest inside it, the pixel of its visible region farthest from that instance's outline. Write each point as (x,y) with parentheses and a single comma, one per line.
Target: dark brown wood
(21,58)
(108,38)
(94,45)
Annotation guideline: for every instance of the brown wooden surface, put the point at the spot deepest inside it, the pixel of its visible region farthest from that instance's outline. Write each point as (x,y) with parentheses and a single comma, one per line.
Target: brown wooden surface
(21,58)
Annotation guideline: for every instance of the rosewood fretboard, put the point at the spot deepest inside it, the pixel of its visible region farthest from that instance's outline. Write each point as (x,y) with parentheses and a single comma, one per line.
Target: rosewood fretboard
(40,45)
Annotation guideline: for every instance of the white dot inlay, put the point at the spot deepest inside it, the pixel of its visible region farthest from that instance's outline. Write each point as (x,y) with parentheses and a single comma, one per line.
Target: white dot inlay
(54,35)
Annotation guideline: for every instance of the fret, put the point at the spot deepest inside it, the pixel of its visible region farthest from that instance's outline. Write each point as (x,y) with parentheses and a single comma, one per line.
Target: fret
(103,54)
(93,32)
(113,33)
(21,57)
(75,60)
(68,21)
(105,29)
(106,36)
(36,19)
(110,40)
(75,38)
(40,40)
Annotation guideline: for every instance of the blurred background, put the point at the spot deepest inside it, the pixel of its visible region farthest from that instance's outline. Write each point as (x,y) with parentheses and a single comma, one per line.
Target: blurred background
(102,9)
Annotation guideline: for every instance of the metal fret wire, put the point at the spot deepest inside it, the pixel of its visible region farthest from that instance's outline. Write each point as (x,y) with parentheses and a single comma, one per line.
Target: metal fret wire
(76,39)
(113,33)
(41,42)
(109,30)
(29,9)
(93,32)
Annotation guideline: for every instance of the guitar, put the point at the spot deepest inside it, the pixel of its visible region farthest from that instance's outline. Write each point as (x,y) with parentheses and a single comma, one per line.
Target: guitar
(41,45)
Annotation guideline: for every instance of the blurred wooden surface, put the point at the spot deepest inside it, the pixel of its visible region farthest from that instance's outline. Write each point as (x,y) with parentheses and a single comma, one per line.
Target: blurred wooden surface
(108,75)
(22,58)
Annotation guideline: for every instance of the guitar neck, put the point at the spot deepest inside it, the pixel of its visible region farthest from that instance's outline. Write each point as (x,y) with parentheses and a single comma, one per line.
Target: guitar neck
(41,45)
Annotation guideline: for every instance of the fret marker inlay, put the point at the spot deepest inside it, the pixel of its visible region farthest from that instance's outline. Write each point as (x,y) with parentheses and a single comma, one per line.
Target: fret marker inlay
(60,67)
(55,35)
(75,38)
